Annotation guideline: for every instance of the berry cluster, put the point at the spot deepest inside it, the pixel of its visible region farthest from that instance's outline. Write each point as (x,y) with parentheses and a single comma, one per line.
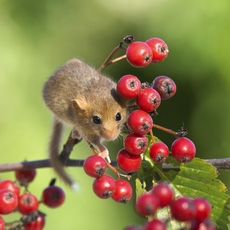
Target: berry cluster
(194,213)
(138,54)
(27,204)
(105,186)
(141,54)
(148,99)
(145,98)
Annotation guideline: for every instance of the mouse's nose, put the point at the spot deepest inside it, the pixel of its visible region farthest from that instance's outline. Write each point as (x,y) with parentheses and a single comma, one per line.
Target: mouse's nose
(110,134)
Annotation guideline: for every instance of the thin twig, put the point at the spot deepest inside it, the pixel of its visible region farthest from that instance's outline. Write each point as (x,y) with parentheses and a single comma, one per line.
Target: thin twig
(116,60)
(67,148)
(165,129)
(108,59)
(221,163)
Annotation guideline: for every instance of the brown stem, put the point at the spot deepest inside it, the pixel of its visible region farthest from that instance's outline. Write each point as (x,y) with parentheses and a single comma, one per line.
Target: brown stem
(116,60)
(67,148)
(95,152)
(108,59)
(165,129)
(152,136)
(221,163)
(25,165)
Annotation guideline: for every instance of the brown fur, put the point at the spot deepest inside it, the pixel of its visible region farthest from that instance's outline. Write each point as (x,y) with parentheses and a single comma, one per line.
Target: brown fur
(75,93)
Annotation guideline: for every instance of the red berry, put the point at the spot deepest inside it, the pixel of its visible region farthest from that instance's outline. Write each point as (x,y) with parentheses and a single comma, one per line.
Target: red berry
(104,186)
(165,86)
(37,224)
(128,86)
(155,224)
(53,196)
(164,193)
(25,176)
(135,144)
(183,209)
(203,208)
(148,99)
(123,191)
(139,54)
(27,202)
(12,186)
(8,201)
(2,223)
(159,152)
(140,122)
(183,149)
(128,162)
(147,204)
(95,166)
(206,224)
(159,49)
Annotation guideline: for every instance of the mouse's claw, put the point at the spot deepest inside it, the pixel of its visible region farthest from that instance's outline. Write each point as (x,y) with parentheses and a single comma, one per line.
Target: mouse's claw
(104,152)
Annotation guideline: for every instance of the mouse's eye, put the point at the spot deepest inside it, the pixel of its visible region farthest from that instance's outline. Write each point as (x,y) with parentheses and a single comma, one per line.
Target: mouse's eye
(96,120)
(118,117)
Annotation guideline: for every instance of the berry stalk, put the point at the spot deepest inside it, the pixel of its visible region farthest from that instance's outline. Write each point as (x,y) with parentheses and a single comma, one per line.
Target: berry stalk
(108,59)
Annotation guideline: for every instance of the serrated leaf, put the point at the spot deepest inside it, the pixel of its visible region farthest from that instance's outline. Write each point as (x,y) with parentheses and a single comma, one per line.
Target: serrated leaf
(198,179)
(140,188)
(194,179)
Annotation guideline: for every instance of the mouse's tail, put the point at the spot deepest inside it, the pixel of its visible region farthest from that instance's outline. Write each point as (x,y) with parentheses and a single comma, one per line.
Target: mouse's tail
(54,154)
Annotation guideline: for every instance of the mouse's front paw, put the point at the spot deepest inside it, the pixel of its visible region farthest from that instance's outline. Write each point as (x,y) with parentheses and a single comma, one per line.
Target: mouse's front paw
(75,134)
(105,154)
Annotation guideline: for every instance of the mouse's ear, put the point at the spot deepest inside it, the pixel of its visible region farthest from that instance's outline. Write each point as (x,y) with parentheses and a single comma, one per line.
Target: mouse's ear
(79,103)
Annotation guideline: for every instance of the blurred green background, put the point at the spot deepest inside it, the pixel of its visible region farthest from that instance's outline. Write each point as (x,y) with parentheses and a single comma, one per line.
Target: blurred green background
(37,37)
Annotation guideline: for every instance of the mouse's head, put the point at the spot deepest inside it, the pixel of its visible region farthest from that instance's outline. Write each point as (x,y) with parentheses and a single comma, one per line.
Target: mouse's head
(101,117)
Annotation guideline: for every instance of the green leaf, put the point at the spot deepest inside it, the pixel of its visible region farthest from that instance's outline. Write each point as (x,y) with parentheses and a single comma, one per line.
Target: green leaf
(194,179)
(198,179)
(140,188)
